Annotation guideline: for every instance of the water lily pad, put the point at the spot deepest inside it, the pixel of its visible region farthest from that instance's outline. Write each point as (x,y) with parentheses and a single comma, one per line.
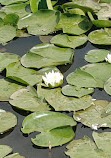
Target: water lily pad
(76,11)
(62,103)
(7,58)
(85,79)
(103,141)
(44,55)
(105,1)
(102,23)
(7,120)
(24,75)
(5,2)
(19,9)
(55,137)
(7,87)
(96,55)
(64,40)
(46,121)
(27,99)
(74,24)
(7,33)
(42,22)
(91,116)
(82,148)
(86,5)
(11,19)
(99,71)
(15,155)
(107,86)
(5,150)
(102,36)
(70,90)
(107,110)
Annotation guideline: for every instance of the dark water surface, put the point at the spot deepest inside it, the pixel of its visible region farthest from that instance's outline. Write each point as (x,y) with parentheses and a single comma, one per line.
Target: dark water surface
(15,138)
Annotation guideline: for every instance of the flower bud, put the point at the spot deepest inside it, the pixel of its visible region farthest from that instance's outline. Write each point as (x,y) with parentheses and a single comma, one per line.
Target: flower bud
(108,58)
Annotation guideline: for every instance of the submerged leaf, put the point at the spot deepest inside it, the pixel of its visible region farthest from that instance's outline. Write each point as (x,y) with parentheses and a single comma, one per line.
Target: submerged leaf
(7,120)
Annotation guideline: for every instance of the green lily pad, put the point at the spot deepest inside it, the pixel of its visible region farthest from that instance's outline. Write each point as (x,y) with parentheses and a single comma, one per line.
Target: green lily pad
(91,116)
(5,150)
(64,40)
(107,110)
(46,121)
(85,79)
(44,55)
(7,121)
(103,142)
(5,2)
(107,86)
(76,11)
(19,9)
(82,148)
(15,155)
(70,90)
(74,24)
(55,137)
(7,33)
(27,99)
(7,88)
(6,59)
(11,19)
(99,71)
(102,36)
(85,5)
(2,14)
(62,103)
(96,55)
(105,1)
(26,76)
(42,22)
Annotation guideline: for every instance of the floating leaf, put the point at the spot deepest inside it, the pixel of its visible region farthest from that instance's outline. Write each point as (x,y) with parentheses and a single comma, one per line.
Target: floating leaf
(15,155)
(83,147)
(74,24)
(76,11)
(102,36)
(7,88)
(91,116)
(7,33)
(44,55)
(7,120)
(103,142)
(85,79)
(107,110)
(42,22)
(107,86)
(26,76)
(55,137)
(96,55)
(5,150)
(11,19)
(46,121)
(62,103)
(5,2)
(99,71)
(6,59)
(70,90)
(19,9)
(27,99)
(105,1)
(64,40)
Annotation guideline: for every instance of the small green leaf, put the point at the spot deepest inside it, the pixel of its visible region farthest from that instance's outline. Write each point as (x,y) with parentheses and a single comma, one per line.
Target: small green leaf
(7,120)
(55,137)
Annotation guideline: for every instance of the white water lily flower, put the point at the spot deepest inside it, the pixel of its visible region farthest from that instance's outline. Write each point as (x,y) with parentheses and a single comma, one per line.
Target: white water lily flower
(108,58)
(53,79)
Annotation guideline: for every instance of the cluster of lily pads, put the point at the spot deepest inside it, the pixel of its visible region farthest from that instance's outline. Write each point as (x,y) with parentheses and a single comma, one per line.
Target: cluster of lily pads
(71,24)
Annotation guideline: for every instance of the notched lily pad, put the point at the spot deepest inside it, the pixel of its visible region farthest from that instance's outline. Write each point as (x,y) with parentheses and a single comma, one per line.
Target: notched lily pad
(55,137)
(62,103)
(83,147)
(7,58)
(41,22)
(27,99)
(7,88)
(64,40)
(91,116)
(70,90)
(7,121)
(96,55)
(43,55)
(101,37)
